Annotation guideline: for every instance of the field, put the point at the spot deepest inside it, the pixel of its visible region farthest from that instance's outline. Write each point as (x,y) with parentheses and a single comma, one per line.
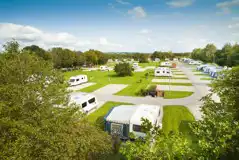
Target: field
(156,64)
(97,117)
(206,78)
(175,84)
(175,117)
(135,83)
(176,94)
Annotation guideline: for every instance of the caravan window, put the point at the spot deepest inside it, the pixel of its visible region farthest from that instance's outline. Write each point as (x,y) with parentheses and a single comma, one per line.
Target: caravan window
(82,78)
(158,72)
(84,105)
(137,128)
(92,100)
(72,80)
(77,79)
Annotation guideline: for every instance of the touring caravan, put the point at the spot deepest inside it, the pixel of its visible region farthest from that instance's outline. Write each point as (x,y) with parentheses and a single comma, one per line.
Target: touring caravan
(87,102)
(163,71)
(167,64)
(104,68)
(125,119)
(135,65)
(76,80)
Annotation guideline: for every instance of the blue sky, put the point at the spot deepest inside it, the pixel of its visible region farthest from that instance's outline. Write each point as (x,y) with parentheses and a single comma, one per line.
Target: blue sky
(120,25)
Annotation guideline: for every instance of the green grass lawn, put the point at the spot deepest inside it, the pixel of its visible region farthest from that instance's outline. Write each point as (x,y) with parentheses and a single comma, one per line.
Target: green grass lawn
(175,84)
(175,117)
(149,64)
(104,78)
(176,94)
(97,117)
(206,78)
(170,78)
(201,74)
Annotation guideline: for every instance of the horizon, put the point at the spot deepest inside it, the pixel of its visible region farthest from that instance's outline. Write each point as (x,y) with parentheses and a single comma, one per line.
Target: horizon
(120,25)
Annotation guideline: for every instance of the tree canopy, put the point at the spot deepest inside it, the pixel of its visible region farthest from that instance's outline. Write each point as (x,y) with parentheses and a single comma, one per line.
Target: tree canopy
(36,119)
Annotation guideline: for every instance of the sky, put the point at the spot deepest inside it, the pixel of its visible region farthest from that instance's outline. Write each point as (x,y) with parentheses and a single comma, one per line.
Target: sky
(120,25)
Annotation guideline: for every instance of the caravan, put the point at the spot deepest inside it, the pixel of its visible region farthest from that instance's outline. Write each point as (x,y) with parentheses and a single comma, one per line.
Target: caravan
(123,120)
(167,64)
(135,65)
(104,68)
(87,102)
(163,71)
(76,80)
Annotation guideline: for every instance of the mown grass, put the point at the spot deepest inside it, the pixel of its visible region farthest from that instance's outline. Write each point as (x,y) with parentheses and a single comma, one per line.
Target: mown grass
(97,117)
(149,64)
(174,84)
(135,82)
(171,78)
(175,117)
(201,74)
(206,78)
(177,94)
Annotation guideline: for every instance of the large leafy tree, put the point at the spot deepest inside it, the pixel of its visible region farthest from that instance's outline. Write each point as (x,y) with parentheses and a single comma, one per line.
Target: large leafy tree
(123,69)
(36,121)
(38,51)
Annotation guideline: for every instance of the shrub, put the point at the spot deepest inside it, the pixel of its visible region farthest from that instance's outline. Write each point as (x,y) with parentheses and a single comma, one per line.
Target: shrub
(123,69)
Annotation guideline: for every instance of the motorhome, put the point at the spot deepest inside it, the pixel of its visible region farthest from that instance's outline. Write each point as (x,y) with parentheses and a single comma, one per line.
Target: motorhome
(87,102)
(175,59)
(76,80)
(104,68)
(200,67)
(167,64)
(125,119)
(163,71)
(156,60)
(135,65)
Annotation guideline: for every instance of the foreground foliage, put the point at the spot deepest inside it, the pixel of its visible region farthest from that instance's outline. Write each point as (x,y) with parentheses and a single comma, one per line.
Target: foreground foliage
(31,123)
(213,137)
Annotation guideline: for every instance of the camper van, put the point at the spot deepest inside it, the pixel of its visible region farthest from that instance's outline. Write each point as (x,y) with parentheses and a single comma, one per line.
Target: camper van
(135,65)
(163,71)
(76,80)
(104,68)
(87,102)
(122,120)
(167,64)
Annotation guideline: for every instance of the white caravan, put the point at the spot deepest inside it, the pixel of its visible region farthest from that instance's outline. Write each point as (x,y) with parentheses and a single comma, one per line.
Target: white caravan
(104,68)
(76,80)
(167,64)
(87,102)
(163,71)
(135,65)
(123,120)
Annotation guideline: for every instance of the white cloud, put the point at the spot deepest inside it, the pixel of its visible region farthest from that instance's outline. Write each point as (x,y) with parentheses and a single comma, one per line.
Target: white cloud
(123,2)
(233,26)
(145,31)
(104,41)
(28,35)
(180,3)
(227,5)
(137,12)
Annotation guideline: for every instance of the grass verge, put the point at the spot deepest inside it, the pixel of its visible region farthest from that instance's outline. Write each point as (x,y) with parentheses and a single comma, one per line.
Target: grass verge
(174,84)
(206,78)
(175,117)
(176,94)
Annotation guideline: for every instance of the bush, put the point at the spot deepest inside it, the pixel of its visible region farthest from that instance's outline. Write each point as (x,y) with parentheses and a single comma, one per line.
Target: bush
(123,69)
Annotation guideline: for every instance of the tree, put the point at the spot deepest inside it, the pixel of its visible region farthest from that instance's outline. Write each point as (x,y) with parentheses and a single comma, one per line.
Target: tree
(38,51)
(123,69)
(36,119)
(63,58)
(11,47)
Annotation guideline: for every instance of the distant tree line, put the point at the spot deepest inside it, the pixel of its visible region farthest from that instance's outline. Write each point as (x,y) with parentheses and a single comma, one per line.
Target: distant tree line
(66,58)
(227,56)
